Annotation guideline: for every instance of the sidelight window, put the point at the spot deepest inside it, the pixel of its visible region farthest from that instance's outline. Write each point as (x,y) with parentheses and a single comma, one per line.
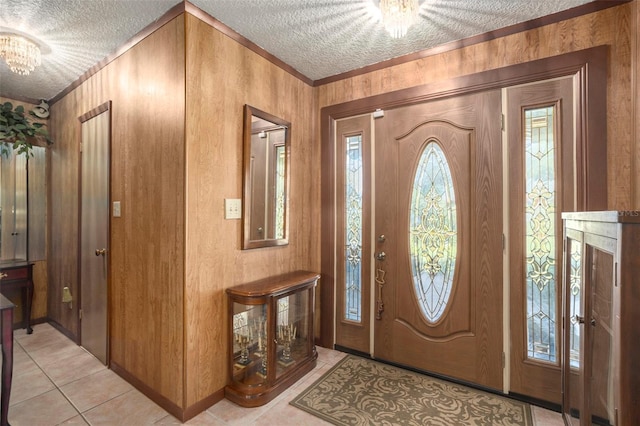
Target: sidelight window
(279,192)
(353,227)
(540,232)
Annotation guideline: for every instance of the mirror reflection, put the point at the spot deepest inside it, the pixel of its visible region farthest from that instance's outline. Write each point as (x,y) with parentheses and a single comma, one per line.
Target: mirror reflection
(22,184)
(266,158)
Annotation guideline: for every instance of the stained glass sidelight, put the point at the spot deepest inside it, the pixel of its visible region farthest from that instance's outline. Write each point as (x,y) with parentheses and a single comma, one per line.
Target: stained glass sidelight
(540,232)
(279,193)
(575,294)
(433,232)
(353,228)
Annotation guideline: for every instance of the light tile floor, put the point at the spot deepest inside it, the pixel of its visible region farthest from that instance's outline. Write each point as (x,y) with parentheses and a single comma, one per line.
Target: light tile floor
(56,382)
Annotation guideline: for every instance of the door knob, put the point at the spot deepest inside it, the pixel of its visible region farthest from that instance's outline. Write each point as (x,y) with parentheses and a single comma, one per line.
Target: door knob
(381,256)
(101,252)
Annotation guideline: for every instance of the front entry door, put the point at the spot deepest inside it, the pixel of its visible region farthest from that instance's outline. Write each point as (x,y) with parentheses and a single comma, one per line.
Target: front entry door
(94,234)
(438,268)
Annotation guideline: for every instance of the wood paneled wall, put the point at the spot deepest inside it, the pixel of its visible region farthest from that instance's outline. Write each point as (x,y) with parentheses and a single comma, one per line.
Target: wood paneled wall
(608,27)
(223,76)
(635,70)
(146,253)
(176,155)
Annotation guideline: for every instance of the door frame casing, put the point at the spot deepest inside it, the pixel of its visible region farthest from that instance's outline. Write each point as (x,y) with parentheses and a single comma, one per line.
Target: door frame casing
(102,108)
(589,64)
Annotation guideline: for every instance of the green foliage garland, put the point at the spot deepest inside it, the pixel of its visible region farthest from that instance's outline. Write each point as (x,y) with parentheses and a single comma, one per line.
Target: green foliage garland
(17,130)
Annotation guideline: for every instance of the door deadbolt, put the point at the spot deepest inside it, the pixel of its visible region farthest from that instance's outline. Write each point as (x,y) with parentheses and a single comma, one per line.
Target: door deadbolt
(101,252)
(382,238)
(381,256)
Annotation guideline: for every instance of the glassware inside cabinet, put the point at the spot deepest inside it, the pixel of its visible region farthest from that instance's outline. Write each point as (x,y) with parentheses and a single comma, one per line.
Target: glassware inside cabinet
(292,330)
(250,343)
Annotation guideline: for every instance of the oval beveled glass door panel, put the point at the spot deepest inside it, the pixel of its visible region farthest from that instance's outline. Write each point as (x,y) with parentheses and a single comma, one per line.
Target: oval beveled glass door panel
(433,232)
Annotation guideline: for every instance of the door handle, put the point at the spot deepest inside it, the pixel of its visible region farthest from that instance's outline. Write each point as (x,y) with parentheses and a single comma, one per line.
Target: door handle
(101,252)
(381,256)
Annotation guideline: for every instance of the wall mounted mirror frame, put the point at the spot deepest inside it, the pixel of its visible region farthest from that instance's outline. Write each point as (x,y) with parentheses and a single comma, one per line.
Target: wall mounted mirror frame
(266,166)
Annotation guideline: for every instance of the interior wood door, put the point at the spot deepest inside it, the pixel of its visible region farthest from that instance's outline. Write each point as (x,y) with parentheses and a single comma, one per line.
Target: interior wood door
(94,235)
(438,201)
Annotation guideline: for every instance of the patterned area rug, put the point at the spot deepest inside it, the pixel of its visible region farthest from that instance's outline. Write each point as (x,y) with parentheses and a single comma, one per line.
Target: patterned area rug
(358,391)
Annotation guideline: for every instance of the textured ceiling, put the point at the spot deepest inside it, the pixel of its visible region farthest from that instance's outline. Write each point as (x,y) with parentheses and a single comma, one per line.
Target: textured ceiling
(319,38)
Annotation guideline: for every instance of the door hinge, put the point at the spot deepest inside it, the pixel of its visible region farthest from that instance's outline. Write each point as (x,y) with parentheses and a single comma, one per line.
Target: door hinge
(504,360)
(80,313)
(615,275)
(502,122)
(504,242)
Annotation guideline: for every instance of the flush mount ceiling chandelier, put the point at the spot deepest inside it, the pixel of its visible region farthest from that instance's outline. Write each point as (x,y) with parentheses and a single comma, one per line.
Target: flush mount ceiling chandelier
(398,16)
(20,53)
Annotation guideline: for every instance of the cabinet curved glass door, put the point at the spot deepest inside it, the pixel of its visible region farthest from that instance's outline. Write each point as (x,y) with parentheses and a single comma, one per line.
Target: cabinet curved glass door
(588,366)
(266,179)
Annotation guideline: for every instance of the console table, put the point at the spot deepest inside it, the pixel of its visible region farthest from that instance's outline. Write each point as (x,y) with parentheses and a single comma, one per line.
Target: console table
(6,328)
(19,274)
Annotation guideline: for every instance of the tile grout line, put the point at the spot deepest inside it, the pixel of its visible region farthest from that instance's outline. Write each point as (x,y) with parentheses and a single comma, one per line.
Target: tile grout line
(58,388)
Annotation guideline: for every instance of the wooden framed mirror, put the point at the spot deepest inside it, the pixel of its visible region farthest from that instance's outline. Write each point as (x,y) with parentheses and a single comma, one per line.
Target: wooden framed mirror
(265,180)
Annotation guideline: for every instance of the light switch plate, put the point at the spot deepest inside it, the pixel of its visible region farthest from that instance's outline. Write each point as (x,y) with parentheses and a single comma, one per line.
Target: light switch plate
(232,208)
(116,209)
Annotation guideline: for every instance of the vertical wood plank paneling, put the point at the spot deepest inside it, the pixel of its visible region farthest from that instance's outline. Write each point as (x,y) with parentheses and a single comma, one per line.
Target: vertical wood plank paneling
(146,87)
(63,215)
(607,27)
(635,79)
(147,243)
(223,76)
(40,290)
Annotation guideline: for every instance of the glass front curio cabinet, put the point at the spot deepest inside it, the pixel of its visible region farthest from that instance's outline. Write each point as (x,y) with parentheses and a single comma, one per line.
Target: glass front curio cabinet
(271,336)
(601,337)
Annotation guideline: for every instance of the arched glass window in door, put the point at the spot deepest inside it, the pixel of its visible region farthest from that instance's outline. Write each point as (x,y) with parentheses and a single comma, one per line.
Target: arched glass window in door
(433,232)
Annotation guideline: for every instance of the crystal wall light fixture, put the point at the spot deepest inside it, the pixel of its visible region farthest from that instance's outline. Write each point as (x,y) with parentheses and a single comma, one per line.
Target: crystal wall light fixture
(21,54)
(398,16)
